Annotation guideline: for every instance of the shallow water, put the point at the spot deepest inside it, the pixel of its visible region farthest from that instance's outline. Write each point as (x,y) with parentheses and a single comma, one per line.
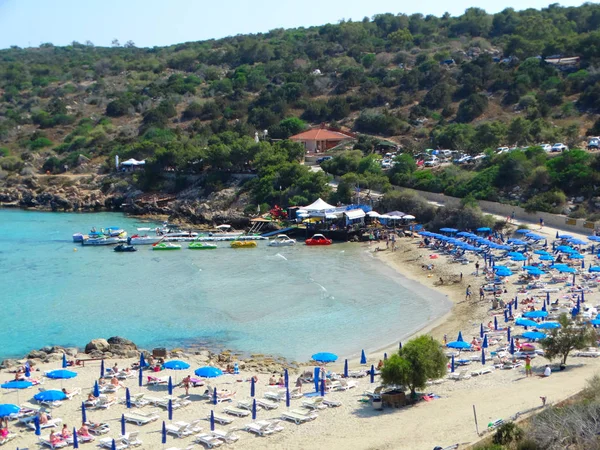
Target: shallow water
(289,301)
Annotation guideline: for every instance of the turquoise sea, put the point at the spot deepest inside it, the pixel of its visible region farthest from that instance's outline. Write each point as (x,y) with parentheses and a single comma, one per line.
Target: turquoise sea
(288,301)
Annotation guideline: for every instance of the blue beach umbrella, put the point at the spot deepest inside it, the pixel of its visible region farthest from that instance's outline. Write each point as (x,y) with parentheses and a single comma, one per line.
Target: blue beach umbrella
(254,409)
(164,433)
(286,378)
(544,307)
(385,356)
(324,357)
(547,298)
(123,424)
(61,374)
(252,388)
(594,238)
(452,365)
(523,231)
(513,254)
(16,385)
(594,269)
(287,398)
(516,302)
(170,386)
(170,407)
(176,365)
(546,258)
(448,230)
(576,256)
(317,372)
(484,344)
(102,369)
(36,422)
(458,345)
(582,297)
(595,322)
(372,373)
(212,420)
(96,390)
(480,330)
(575,241)
(519,258)
(535,271)
(50,396)
(346,368)
(541,252)
(534,335)
(141,377)
(512,347)
(460,338)
(142,360)
(64,361)
(7,409)
(525,322)
(127,398)
(27,370)
(495,323)
(483,356)
(535,314)
(323,388)
(363,357)
(75,439)
(483,230)
(547,325)
(214,399)
(83,414)
(564,236)
(508,334)
(505,315)
(208,372)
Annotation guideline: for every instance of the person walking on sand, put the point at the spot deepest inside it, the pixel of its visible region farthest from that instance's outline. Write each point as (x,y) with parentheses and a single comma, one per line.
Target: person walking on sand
(528,372)
(468,293)
(477,269)
(512,216)
(541,223)
(481,293)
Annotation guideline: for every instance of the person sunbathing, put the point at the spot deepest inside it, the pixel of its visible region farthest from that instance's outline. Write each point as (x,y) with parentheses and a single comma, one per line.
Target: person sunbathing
(43,418)
(84,430)
(115,382)
(55,438)
(272,381)
(65,432)
(281,381)
(475,344)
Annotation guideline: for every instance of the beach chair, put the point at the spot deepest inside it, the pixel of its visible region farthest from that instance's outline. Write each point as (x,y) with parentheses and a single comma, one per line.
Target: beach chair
(177,430)
(266,404)
(331,403)
(155,381)
(132,439)
(208,439)
(274,424)
(107,443)
(314,403)
(52,423)
(98,428)
(191,427)
(74,392)
(108,389)
(344,384)
(482,371)
(141,419)
(590,352)
(45,441)
(136,400)
(278,396)
(459,375)
(236,411)
(298,416)
(223,420)
(104,403)
(9,437)
(259,429)
(228,437)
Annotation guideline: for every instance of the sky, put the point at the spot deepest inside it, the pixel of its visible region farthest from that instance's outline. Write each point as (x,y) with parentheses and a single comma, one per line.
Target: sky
(151,23)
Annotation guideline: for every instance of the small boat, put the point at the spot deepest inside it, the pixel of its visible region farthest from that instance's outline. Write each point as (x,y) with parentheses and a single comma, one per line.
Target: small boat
(78,237)
(166,246)
(243,244)
(197,245)
(282,241)
(318,239)
(122,248)
(136,239)
(102,241)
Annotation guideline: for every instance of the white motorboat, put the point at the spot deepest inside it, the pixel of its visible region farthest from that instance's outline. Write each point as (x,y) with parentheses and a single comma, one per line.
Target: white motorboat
(103,241)
(136,239)
(282,241)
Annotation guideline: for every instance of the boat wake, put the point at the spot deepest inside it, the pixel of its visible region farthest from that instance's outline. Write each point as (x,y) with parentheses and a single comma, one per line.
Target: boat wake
(281,256)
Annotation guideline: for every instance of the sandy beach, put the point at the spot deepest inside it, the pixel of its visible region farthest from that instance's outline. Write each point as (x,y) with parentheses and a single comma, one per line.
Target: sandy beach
(355,424)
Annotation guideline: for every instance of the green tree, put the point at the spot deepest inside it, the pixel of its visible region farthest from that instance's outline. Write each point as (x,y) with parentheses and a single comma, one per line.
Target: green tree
(471,108)
(570,336)
(400,37)
(419,360)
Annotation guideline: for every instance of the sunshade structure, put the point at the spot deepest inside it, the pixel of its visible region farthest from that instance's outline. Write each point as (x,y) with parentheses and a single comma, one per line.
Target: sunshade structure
(208,372)
(565,269)
(484,230)
(548,325)
(575,241)
(523,231)
(7,409)
(535,271)
(17,386)
(449,230)
(318,205)
(525,322)
(534,335)
(541,252)
(324,357)
(50,396)
(563,236)
(565,249)
(517,242)
(546,258)
(535,314)
(594,238)
(519,258)
(176,365)
(61,374)
(535,237)
(594,269)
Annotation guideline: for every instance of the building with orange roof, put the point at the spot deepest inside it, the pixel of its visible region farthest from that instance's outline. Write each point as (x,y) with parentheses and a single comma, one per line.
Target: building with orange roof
(319,140)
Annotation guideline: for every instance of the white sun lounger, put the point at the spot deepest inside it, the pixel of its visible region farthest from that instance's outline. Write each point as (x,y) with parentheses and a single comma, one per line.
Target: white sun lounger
(177,430)
(208,439)
(9,437)
(45,441)
(132,439)
(98,429)
(236,411)
(344,384)
(152,380)
(52,423)
(224,420)
(482,371)
(314,403)
(273,424)
(141,418)
(104,403)
(107,443)
(136,400)
(298,416)
(227,436)
(266,404)
(259,429)
(191,427)
(331,403)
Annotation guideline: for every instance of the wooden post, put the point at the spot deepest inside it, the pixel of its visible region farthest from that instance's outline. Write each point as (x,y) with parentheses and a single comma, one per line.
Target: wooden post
(476,425)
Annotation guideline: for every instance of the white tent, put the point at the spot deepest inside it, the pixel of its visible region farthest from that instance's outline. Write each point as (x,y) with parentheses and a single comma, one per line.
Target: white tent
(319,205)
(133,162)
(354,214)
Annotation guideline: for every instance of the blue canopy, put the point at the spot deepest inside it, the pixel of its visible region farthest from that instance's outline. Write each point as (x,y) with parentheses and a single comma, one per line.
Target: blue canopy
(547,258)
(324,357)
(448,230)
(208,372)
(564,236)
(595,321)
(565,249)
(535,271)
(176,365)
(458,344)
(575,241)
(501,268)
(525,322)
(541,252)
(519,258)
(566,269)
(575,256)
(50,396)
(16,385)
(517,242)
(513,254)
(504,273)
(523,231)
(535,314)
(594,238)
(466,234)
(534,335)
(484,229)
(61,374)
(535,237)
(548,325)
(594,269)
(7,409)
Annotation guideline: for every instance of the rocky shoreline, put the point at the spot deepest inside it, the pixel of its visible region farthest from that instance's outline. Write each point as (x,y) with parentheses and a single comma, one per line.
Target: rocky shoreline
(117,347)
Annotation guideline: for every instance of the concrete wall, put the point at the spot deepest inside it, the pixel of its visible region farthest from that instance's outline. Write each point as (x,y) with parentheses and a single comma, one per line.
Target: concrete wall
(552,220)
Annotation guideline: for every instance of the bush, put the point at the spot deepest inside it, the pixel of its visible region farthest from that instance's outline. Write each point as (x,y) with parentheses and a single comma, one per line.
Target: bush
(376,123)
(39,143)
(507,433)
(4,151)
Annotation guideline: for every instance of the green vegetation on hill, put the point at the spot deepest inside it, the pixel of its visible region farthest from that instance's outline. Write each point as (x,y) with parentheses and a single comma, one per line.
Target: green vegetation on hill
(470,82)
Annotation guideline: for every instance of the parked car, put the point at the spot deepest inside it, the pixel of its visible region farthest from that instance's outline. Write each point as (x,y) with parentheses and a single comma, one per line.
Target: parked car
(463,159)
(593,143)
(323,158)
(386,164)
(501,150)
(432,161)
(546,147)
(559,147)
